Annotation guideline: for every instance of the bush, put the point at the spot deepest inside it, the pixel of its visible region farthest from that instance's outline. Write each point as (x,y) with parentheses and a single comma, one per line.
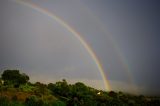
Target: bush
(14,98)
(16,103)
(27,88)
(4,101)
(34,101)
(31,101)
(58,103)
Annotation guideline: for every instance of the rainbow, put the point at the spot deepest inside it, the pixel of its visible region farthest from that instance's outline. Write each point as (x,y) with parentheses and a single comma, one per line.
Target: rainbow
(76,34)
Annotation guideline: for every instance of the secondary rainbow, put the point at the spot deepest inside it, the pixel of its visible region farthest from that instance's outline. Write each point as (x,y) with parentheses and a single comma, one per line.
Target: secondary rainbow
(76,34)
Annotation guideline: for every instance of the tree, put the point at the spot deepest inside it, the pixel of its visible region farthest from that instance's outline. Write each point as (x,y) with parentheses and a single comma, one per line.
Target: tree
(41,89)
(59,88)
(14,77)
(10,75)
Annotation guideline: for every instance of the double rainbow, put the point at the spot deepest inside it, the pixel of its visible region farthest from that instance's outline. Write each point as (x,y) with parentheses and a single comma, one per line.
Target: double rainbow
(71,30)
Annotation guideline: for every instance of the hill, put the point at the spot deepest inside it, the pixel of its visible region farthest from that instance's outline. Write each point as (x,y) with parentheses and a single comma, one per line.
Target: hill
(16,90)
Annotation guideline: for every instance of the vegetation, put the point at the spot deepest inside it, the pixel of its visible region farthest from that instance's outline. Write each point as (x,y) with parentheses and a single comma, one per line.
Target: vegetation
(16,90)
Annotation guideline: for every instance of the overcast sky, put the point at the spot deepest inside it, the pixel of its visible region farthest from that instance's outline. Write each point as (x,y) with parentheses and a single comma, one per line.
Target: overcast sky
(124,35)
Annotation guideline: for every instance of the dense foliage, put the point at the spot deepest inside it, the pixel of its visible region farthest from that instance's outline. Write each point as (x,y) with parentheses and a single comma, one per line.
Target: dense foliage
(16,90)
(13,77)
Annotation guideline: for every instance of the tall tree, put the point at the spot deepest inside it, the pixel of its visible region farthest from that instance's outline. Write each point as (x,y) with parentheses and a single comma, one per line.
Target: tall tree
(14,77)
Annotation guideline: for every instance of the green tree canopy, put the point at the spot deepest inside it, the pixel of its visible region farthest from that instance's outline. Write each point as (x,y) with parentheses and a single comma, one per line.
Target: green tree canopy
(14,77)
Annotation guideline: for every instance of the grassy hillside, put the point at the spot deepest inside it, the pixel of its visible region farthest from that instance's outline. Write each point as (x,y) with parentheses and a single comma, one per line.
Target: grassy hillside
(16,90)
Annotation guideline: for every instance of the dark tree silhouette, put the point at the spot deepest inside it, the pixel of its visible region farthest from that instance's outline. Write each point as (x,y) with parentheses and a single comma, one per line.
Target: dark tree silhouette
(13,77)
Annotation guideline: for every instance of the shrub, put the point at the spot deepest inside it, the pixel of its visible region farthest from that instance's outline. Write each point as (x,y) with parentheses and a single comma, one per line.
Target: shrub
(58,103)
(31,101)
(16,103)
(27,88)
(14,98)
(4,101)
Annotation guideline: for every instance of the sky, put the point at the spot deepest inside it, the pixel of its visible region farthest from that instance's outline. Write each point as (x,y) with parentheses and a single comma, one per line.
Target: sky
(124,35)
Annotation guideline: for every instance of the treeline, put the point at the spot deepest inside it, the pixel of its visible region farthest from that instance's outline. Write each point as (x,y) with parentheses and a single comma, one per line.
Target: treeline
(16,90)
